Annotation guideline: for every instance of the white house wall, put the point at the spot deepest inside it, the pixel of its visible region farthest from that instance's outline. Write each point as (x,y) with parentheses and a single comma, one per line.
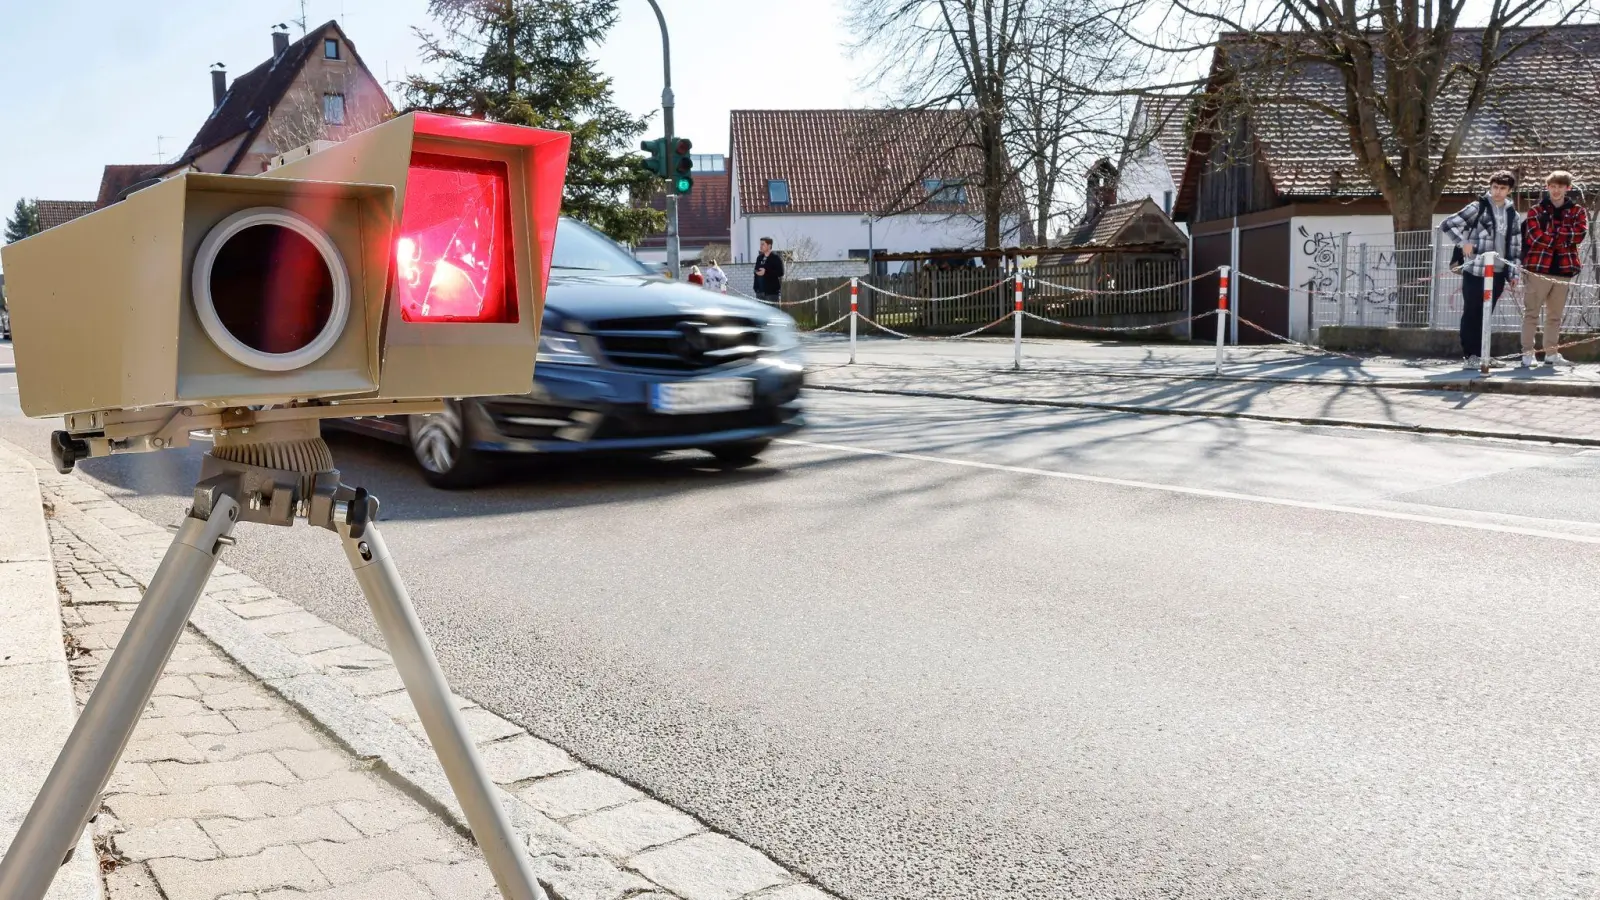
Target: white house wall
(834,236)
(1147,175)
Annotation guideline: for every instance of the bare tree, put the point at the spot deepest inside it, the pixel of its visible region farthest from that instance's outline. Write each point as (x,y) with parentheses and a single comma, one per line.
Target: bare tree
(1405,80)
(1065,111)
(964,54)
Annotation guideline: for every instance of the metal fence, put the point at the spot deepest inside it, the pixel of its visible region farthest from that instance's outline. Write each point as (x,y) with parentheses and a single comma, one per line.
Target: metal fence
(1405,281)
(946,300)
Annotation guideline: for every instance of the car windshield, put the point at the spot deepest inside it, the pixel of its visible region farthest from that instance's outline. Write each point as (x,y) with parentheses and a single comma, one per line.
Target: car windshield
(580,248)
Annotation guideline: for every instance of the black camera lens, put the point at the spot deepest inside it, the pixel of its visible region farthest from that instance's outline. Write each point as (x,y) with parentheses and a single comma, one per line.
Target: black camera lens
(271,288)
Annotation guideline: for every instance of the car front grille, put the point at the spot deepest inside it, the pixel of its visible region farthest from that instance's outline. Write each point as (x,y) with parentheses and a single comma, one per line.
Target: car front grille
(677,343)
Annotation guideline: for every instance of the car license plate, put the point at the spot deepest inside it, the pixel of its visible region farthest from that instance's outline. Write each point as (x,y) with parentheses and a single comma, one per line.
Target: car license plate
(711,395)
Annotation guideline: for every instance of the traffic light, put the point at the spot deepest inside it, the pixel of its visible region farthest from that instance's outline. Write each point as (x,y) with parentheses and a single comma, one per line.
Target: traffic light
(407,263)
(680,165)
(656,161)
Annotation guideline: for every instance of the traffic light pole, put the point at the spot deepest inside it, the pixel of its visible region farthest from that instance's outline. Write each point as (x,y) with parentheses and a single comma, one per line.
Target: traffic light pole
(666,121)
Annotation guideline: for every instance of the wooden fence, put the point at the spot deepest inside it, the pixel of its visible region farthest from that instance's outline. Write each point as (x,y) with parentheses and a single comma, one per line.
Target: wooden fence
(942,301)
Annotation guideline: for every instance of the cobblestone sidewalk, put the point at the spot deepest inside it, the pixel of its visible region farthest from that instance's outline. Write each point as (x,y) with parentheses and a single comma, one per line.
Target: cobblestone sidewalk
(280,758)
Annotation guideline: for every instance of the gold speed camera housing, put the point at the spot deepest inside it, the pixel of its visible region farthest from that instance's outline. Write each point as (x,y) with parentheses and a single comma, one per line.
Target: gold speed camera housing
(405,265)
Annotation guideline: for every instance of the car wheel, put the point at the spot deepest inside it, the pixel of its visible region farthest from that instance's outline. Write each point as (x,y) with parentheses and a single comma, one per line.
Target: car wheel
(741,454)
(439,442)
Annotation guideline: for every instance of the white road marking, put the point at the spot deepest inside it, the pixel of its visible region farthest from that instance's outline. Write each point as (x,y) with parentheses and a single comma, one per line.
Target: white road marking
(1205,492)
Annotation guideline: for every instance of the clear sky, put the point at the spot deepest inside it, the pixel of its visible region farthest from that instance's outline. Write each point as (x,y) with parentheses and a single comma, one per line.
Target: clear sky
(91,82)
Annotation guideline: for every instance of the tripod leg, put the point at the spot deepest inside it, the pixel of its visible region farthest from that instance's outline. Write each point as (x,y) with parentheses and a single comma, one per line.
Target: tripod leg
(430,694)
(66,801)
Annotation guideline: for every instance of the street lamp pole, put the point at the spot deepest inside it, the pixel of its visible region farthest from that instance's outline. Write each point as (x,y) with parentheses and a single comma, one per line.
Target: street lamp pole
(666,120)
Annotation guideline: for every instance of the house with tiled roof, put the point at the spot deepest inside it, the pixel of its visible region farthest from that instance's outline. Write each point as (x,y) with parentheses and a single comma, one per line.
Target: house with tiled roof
(1270,184)
(703,219)
(60,212)
(1157,143)
(845,183)
(316,88)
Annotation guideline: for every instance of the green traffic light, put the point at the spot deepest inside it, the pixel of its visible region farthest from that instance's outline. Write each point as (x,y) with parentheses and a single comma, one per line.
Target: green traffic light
(684,184)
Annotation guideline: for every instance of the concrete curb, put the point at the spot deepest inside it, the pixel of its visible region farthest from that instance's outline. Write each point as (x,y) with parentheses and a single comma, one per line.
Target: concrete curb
(333,688)
(36,699)
(1475,384)
(1216,414)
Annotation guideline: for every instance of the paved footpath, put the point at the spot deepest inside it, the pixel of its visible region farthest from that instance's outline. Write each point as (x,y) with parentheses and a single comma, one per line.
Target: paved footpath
(280,758)
(1172,380)
(1255,364)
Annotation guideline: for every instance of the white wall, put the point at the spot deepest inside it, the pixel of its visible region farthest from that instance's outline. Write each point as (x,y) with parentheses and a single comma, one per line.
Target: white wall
(1147,175)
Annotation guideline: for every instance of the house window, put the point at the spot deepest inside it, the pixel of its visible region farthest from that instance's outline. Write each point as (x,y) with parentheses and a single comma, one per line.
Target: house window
(333,109)
(941,191)
(330,49)
(778,193)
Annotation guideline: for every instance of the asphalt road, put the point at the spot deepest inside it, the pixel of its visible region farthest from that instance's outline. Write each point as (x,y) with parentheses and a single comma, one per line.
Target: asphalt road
(1031,653)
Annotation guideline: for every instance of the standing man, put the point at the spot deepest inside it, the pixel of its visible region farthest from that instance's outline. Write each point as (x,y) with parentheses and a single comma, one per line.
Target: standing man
(1556,227)
(1488,224)
(769,273)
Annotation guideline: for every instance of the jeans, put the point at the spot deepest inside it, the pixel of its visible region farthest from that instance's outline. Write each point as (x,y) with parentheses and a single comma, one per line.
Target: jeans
(1472,310)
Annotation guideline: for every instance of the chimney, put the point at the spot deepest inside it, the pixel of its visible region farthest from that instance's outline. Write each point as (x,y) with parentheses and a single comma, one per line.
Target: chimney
(219,85)
(1102,186)
(280,41)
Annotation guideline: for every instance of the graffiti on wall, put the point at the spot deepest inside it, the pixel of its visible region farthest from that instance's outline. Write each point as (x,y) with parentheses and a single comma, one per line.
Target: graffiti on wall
(1323,257)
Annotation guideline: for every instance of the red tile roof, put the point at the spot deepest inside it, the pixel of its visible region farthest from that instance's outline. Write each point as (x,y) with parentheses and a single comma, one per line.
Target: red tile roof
(852,161)
(60,212)
(1530,120)
(1161,120)
(702,215)
(116,179)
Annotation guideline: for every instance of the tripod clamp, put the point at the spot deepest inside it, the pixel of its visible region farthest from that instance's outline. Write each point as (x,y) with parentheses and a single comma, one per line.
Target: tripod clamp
(275,496)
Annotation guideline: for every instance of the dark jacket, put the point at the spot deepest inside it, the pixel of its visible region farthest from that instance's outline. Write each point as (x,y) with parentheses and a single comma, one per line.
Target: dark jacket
(772,282)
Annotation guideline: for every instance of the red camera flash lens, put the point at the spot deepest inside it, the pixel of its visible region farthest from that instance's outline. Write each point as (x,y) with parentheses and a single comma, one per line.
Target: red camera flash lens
(453,260)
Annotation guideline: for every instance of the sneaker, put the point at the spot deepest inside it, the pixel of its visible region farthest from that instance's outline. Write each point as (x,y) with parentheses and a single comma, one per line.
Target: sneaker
(1528,361)
(1472,362)
(1555,359)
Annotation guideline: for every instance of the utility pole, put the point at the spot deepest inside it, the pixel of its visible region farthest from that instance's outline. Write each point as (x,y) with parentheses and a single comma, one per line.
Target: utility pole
(666,121)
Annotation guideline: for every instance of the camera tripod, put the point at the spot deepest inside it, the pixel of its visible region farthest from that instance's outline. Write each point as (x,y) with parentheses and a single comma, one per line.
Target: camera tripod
(281,472)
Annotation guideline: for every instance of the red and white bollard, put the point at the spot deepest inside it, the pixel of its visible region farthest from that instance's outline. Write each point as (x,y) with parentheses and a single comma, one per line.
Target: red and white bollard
(1222,316)
(1488,311)
(855,311)
(1016,316)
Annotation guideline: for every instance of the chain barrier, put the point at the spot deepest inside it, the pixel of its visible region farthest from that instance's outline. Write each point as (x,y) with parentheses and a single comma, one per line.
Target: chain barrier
(820,328)
(942,337)
(1119,328)
(1123,293)
(1298,345)
(888,293)
(813,299)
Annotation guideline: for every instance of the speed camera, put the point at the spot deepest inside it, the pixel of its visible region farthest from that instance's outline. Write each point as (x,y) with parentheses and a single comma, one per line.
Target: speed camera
(379,275)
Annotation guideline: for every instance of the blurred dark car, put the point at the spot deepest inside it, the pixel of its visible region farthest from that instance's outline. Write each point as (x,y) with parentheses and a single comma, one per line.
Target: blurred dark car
(628,361)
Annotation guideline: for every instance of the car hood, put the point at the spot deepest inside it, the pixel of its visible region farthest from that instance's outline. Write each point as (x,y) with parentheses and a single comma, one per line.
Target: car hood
(591,298)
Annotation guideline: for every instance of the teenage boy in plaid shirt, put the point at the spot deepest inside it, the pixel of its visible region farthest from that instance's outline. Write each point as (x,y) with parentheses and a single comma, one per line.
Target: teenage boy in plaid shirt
(1555,229)
(1488,224)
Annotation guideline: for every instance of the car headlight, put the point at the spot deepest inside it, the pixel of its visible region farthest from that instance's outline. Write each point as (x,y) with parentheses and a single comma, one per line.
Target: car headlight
(780,335)
(563,348)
